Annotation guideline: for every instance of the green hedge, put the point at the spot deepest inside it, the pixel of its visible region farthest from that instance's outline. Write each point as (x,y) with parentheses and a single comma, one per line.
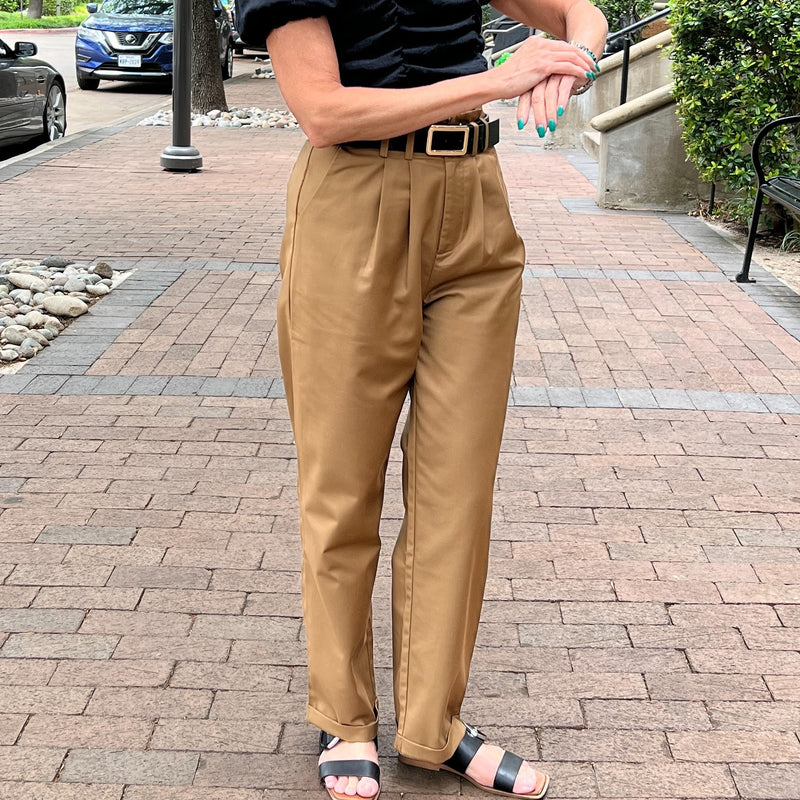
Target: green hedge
(12,21)
(10,6)
(736,66)
(621,13)
(51,8)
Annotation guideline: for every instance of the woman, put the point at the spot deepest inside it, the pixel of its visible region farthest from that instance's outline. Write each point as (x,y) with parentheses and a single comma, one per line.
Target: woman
(401,276)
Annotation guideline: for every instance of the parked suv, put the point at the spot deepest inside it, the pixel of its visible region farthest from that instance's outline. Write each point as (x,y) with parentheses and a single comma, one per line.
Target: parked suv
(131,40)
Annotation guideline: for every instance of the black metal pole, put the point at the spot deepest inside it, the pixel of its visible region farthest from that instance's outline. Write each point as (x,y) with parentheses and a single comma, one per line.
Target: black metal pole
(626,60)
(181,156)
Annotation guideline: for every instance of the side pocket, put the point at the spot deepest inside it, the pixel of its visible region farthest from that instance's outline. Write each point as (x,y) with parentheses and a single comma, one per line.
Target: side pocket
(320,163)
(293,191)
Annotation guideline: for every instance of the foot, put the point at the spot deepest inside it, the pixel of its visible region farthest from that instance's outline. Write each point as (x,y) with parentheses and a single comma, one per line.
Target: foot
(484,765)
(351,785)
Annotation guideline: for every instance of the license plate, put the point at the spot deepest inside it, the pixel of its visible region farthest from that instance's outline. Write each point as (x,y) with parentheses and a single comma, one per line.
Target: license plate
(130,61)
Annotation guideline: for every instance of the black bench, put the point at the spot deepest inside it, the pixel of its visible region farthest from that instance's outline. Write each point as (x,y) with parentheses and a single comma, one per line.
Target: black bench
(783,189)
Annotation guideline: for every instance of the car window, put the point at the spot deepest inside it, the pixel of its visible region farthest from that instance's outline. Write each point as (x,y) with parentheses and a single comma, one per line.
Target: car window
(5,50)
(157,8)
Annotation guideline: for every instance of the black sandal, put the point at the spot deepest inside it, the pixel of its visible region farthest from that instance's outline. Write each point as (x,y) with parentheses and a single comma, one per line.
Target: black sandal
(504,778)
(360,768)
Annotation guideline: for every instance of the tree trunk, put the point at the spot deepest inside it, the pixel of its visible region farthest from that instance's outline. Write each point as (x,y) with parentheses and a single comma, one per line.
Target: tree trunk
(208,92)
(35,9)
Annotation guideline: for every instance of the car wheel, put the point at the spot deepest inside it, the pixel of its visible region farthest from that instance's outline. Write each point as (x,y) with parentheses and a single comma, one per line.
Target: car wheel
(227,67)
(54,117)
(87,83)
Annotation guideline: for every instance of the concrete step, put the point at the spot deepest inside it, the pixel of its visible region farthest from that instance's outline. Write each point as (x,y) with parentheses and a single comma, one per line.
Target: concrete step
(591,143)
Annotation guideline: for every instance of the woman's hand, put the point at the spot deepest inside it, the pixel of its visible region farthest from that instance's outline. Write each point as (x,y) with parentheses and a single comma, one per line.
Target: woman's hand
(546,102)
(536,60)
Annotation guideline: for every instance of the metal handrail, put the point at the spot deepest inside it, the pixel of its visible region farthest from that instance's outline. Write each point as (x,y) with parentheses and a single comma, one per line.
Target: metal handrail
(637,26)
(499,26)
(626,34)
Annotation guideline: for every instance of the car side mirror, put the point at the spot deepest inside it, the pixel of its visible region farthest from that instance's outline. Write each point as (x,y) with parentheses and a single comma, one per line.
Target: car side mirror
(25,49)
(91,8)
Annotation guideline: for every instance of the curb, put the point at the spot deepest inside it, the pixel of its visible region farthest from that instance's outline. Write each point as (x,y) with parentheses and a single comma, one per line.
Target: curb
(72,141)
(37,31)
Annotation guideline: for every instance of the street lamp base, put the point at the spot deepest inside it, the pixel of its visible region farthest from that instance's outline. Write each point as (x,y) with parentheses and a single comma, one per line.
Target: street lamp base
(181,159)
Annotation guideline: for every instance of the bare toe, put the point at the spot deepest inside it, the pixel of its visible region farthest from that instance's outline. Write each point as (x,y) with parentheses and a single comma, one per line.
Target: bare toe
(367,788)
(484,765)
(351,785)
(526,779)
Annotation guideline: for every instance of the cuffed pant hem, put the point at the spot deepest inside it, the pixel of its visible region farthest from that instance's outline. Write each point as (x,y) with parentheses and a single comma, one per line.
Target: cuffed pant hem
(430,754)
(348,733)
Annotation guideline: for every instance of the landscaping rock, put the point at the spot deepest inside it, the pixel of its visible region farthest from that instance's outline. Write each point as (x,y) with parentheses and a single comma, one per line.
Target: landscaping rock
(65,306)
(59,262)
(34,294)
(26,280)
(15,334)
(103,269)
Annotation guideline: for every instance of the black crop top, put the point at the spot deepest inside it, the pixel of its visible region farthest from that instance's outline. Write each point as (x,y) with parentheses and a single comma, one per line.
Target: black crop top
(383,43)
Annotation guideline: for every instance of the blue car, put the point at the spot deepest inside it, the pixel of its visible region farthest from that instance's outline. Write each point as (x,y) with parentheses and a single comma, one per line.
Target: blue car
(131,40)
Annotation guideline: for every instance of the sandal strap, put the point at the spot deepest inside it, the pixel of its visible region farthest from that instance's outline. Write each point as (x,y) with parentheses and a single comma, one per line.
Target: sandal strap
(506,775)
(353,767)
(466,750)
(325,740)
(328,741)
(507,772)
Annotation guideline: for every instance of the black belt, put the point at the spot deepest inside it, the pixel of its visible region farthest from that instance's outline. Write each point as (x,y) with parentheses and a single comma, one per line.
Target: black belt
(468,139)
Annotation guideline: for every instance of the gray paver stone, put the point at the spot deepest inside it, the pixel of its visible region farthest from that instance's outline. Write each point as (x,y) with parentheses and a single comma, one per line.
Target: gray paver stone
(86,534)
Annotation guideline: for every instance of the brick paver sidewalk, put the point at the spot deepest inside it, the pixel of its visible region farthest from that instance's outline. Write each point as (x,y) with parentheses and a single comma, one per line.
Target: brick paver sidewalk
(642,625)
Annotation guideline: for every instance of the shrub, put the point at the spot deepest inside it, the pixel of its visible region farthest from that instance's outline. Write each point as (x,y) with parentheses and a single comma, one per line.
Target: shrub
(9,6)
(736,67)
(14,21)
(621,13)
(53,8)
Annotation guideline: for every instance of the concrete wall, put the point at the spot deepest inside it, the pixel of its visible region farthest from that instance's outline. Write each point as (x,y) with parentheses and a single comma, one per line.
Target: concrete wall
(650,68)
(643,165)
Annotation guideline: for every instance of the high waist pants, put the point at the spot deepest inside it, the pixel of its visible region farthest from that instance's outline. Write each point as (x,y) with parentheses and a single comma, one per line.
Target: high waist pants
(401,274)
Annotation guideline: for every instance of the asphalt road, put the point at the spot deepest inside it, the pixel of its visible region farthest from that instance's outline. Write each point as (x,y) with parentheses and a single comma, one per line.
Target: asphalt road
(113,101)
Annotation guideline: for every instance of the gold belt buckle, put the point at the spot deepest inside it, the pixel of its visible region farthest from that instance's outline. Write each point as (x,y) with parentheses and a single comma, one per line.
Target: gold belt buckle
(462,129)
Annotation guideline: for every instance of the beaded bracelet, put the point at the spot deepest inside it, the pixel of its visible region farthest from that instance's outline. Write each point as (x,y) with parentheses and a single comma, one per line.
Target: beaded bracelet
(585,50)
(590,82)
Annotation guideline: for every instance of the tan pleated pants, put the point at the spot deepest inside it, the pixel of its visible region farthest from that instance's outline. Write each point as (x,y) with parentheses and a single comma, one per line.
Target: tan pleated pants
(401,273)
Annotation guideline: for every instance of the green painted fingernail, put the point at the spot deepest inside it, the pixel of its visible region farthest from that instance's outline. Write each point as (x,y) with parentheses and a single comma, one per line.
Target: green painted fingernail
(561,111)
(591,75)
(540,131)
(551,124)
(597,68)
(520,124)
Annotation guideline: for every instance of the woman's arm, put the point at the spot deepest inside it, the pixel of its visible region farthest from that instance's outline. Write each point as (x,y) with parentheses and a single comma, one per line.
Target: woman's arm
(305,63)
(572,20)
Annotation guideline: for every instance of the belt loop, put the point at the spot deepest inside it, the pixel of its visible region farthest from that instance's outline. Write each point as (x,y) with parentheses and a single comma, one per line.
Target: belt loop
(409,147)
(384,149)
(475,137)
